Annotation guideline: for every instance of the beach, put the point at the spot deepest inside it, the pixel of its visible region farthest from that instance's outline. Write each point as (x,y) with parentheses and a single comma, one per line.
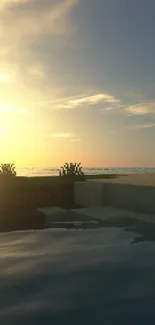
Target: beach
(76,277)
(132,179)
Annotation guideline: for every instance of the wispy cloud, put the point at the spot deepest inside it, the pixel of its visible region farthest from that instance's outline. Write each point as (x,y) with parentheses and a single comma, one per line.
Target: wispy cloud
(62,135)
(117,106)
(134,127)
(75,140)
(142,126)
(5,3)
(33,18)
(82,101)
(143,108)
(58,135)
(94,99)
(9,109)
(26,25)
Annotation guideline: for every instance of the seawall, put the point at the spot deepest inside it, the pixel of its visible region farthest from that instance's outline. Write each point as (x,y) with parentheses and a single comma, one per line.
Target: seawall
(133,192)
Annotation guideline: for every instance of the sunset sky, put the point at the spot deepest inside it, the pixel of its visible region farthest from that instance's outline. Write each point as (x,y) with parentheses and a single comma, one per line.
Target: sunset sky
(77,82)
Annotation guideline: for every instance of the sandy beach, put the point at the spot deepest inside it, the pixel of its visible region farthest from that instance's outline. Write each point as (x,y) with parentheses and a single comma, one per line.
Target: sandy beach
(133,179)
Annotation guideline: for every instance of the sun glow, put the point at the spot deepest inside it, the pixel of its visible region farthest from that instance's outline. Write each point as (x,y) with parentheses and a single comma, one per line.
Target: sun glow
(6,78)
(9,109)
(10,120)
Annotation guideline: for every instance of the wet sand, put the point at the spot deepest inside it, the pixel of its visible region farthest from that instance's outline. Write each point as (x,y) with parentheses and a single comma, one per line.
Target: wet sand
(76,277)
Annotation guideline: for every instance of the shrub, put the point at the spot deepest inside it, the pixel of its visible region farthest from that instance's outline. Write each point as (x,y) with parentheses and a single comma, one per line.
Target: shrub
(72,170)
(7,170)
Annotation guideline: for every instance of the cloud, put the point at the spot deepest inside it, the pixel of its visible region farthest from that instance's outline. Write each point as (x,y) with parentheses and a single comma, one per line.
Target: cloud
(108,108)
(58,135)
(75,140)
(135,127)
(95,99)
(7,3)
(142,126)
(36,71)
(62,135)
(25,27)
(9,109)
(34,18)
(83,100)
(71,136)
(143,108)
(117,106)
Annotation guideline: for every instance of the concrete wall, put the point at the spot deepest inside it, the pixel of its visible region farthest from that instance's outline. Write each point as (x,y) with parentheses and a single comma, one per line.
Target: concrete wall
(125,196)
(133,197)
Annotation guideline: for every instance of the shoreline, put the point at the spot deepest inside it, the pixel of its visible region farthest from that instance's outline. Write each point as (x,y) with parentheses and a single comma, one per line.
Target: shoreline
(143,179)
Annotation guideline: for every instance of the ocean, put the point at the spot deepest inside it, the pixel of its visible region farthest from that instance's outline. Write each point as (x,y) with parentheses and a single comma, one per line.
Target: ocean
(87,171)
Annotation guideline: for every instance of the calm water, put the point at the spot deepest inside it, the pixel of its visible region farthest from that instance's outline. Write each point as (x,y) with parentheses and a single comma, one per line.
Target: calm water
(76,277)
(87,171)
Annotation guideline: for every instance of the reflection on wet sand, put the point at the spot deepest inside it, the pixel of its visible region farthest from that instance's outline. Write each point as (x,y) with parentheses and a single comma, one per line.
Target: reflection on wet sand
(90,276)
(144,230)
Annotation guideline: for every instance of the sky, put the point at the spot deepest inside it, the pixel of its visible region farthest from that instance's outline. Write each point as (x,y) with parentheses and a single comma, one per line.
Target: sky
(77,82)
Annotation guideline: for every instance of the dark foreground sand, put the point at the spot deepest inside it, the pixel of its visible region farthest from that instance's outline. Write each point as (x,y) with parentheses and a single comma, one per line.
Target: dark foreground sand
(135,179)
